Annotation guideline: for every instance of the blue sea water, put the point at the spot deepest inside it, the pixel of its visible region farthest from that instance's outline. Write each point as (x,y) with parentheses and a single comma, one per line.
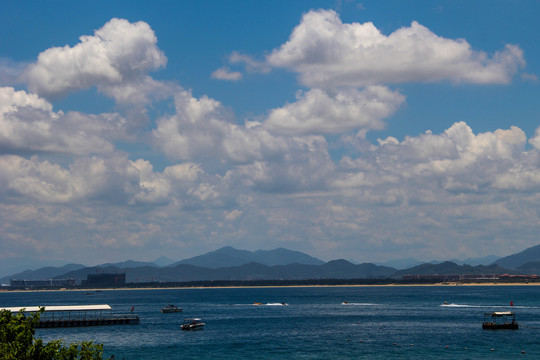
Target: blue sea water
(408,322)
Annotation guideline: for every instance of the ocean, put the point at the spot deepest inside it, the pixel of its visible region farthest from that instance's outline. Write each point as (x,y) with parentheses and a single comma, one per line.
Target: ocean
(400,322)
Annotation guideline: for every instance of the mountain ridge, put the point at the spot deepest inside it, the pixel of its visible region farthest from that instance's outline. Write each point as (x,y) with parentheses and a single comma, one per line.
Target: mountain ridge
(280,263)
(229,256)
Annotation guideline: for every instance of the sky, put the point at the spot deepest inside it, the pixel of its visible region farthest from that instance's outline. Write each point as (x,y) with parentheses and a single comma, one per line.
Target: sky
(362,130)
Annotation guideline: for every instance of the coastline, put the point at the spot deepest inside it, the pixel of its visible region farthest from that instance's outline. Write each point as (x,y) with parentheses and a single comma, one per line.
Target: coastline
(279,286)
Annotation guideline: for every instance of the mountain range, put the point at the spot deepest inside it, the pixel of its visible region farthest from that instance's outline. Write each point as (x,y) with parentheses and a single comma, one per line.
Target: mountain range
(229,263)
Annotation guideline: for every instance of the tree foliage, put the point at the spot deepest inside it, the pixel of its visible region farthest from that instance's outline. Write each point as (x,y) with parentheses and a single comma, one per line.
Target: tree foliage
(17,341)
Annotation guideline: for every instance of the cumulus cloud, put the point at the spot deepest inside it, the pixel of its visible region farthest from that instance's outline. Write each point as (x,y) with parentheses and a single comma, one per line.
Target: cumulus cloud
(225,73)
(328,53)
(228,181)
(535,141)
(119,53)
(250,63)
(202,129)
(455,161)
(29,124)
(114,180)
(318,112)
(10,71)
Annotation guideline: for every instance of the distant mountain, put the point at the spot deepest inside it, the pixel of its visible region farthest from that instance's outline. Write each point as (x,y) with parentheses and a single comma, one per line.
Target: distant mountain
(127,264)
(408,263)
(48,272)
(513,261)
(532,267)
(282,256)
(485,260)
(228,256)
(401,264)
(163,261)
(448,267)
(16,265)
(337,269)
(229,263)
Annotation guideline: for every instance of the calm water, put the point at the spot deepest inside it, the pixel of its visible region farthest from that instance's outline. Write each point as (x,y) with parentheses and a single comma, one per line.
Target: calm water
(377,322)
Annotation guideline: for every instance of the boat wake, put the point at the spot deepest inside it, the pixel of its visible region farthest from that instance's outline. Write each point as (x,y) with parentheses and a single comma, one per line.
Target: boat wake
(462,306)
(486,306)
(357,304)
(265,304)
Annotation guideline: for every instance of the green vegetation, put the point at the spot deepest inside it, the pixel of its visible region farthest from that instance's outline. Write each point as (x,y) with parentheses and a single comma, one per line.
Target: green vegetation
(17,341)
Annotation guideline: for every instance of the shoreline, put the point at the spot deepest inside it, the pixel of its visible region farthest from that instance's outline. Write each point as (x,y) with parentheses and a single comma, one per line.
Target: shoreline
(277,286)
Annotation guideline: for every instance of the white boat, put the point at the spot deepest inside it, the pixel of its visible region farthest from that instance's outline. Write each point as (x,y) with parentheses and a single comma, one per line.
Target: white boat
(170,308)
(192,324)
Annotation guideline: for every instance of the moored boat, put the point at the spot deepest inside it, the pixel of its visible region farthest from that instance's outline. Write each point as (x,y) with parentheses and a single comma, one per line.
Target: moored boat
(500,320)
(170,308)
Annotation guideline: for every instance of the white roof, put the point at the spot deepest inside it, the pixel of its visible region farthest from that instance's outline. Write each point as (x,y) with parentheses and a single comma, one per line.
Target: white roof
(502,313)
(59,308)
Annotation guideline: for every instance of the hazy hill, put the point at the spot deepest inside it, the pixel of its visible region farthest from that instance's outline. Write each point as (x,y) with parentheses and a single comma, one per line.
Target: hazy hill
(127,264)
(228,256)
(532,267)
(407,263)
(163,261)
(10,266)
(484,260)
(229,263)
(513,261)
(448,267)
(48,272)
(401,264)
(337,269)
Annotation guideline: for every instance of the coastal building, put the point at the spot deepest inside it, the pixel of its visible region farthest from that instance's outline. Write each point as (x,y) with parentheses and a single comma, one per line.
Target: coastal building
(104,280)
(450,277)
(43,283)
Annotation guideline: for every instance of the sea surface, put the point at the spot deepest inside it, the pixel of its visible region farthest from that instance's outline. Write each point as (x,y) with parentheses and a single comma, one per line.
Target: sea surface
(402,322)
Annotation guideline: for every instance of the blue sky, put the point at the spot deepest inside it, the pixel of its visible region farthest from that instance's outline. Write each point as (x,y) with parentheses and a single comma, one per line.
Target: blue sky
(365,130)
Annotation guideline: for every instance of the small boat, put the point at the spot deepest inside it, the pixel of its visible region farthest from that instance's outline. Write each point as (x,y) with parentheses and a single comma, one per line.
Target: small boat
(192,324)
(170,308)
(500,320)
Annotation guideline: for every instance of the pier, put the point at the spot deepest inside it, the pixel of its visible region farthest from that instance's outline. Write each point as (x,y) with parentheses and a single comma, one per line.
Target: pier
(78,315)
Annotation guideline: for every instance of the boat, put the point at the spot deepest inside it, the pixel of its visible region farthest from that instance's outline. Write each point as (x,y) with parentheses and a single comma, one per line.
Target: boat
(170,308)
(500,320)
(192,324)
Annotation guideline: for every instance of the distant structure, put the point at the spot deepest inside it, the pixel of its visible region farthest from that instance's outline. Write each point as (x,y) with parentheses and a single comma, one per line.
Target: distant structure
(450,277)
(38,284)
(470,277)
(104,280)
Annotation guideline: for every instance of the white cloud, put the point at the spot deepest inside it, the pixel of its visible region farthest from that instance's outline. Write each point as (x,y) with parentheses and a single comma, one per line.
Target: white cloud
(328,53)
(251,155)
(224,73)
(118,54)
(271,180)
(318,112)
(455,161)
(250,63)
(27,123)
(114,180)
(202,129)
(10,71)
(535,141)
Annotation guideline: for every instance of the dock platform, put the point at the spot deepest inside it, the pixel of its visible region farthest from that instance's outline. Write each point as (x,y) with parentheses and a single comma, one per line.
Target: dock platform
(77,316)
